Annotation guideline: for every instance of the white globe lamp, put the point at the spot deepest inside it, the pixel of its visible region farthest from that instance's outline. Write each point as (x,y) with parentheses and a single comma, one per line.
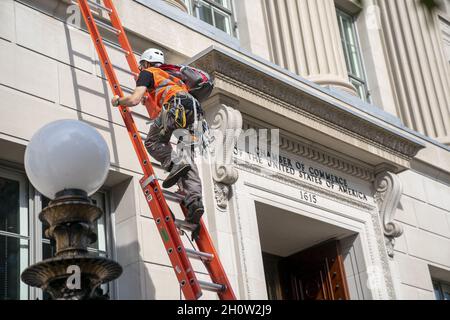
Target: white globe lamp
(67,155)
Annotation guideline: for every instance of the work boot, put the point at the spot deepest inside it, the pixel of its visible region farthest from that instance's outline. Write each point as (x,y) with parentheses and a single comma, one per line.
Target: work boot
(177,171)
(195,212)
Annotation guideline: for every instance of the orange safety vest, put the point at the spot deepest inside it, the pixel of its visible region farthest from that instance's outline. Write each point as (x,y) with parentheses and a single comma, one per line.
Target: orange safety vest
(166,86)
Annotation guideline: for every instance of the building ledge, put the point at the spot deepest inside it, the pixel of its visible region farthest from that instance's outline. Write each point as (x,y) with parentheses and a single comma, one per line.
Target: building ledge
(309,113)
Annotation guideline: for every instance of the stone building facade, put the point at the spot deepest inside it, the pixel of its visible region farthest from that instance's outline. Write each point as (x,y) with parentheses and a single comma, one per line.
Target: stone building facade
(360,96)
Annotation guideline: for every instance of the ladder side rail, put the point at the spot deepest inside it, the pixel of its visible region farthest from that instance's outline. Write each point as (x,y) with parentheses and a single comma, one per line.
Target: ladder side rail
(150,104)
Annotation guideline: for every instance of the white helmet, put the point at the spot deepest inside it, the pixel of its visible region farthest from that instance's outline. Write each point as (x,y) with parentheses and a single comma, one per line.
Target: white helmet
(152,55)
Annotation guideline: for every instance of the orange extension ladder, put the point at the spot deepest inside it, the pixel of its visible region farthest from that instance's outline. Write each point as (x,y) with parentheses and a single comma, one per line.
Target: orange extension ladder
(168,228)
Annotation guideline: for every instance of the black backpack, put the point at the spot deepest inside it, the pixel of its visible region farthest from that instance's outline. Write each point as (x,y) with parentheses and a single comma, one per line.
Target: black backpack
(198,81)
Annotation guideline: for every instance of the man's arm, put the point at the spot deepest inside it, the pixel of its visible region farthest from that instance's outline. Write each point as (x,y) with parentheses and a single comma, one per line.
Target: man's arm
(143,83)
(132,100)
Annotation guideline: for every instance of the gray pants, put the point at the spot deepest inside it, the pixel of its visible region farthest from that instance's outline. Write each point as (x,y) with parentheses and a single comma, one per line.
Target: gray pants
(160,148)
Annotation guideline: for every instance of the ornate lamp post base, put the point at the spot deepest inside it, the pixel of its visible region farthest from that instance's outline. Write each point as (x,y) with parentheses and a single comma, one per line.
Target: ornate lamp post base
(73,274)
(51,276)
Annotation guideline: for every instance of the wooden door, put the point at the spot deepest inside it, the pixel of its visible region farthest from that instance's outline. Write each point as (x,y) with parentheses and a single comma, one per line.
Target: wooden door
(314,274)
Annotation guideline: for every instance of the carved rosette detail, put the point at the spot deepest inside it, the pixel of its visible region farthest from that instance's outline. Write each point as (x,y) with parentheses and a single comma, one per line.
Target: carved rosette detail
(222,193)
(226,126)
(389,190)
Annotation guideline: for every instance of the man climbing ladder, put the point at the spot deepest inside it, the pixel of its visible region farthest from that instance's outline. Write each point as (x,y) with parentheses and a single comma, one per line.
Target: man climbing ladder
(168,227)
(179,110)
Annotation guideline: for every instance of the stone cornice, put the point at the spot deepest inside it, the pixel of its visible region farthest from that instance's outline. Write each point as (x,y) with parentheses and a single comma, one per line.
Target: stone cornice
(238,72)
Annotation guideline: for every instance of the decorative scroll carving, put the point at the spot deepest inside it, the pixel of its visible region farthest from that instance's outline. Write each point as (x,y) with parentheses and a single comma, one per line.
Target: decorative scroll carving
(226,125)
(388,193)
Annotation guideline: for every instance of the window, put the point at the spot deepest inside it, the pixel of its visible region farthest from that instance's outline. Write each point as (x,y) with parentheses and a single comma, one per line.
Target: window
(441,290)
(14,236)
(352,54)
(218,13)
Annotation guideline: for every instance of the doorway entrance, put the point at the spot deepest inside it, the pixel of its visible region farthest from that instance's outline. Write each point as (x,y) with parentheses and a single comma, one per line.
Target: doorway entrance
(304,258)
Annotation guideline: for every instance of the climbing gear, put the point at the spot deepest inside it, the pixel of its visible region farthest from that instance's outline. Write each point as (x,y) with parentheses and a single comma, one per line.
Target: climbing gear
(180,116)
(198,81)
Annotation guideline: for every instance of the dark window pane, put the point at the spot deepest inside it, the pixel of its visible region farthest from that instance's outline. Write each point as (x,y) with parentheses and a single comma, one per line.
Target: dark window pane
(352,53)
(445,291)
(44,203)
(437,291)
(48,251)
(222,22)
(9,205)
(205,13)
(13,260)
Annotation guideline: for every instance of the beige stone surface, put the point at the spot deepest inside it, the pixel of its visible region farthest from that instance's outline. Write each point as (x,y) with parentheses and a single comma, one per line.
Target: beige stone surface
(8,20)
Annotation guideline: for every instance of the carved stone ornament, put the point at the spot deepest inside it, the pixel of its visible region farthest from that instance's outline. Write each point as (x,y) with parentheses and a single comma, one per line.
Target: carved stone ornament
(226,124)
(222,193)
(388,193)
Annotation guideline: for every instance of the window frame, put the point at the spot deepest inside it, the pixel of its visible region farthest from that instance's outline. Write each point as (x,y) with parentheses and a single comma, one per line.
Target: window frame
(341,14)
(194,10)
(17,176)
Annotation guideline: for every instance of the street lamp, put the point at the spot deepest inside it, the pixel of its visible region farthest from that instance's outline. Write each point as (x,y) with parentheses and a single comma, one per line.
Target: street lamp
(68,161)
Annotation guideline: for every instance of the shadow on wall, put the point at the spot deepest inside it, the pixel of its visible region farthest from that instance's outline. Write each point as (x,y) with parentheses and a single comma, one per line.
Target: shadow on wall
(104,93)
(135,283)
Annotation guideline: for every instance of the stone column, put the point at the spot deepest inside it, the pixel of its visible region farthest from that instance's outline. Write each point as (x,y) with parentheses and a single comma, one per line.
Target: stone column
(420,72)
(178,3)
(305,39)
(252,27)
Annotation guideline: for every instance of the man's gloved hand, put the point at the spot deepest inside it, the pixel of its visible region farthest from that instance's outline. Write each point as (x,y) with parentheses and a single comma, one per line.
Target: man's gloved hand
(115,101)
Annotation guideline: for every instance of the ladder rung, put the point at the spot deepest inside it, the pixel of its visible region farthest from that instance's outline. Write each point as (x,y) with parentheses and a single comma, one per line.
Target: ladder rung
(107,27)
(99,6)
(212,286)
(203,256)
(185,225)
